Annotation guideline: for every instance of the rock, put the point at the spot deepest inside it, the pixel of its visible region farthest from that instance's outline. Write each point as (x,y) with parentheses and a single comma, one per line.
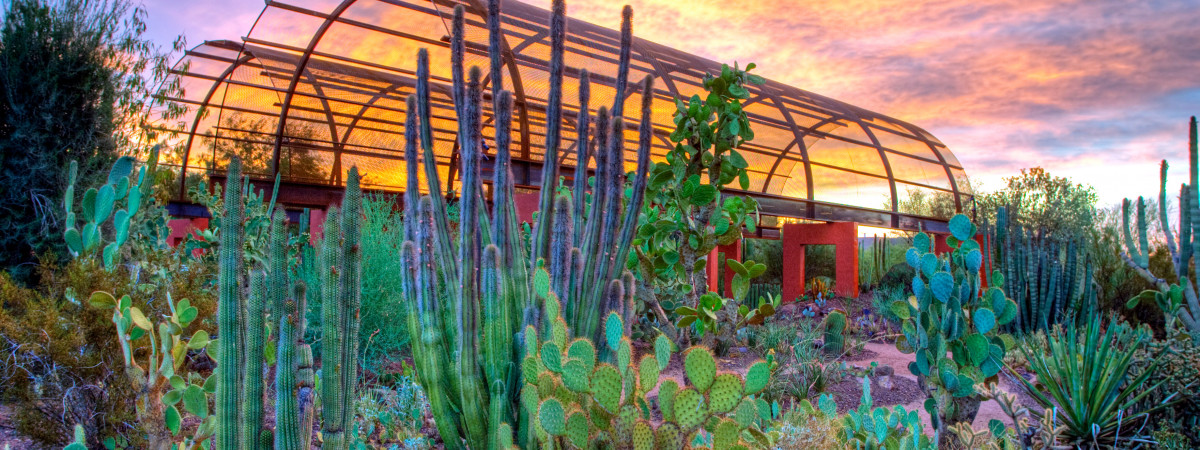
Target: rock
(884,370)
(883,375)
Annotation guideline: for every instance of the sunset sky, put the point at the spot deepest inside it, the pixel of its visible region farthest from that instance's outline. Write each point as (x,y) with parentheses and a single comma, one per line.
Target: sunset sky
(1098,91)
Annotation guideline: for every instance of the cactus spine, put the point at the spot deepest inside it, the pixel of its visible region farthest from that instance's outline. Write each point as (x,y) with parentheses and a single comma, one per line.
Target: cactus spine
(484,283)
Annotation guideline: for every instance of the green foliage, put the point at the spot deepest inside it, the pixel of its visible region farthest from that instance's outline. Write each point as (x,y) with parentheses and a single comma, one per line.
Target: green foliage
(873,428)
(579,406)
(687,216)
(719,320)
(957,348)
(384,327)
(1053,205)
(76,79)
(1085,380)
(126,203)
(164,390)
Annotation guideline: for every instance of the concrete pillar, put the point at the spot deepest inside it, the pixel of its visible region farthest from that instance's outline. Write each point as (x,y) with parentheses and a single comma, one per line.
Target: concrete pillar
(842,235)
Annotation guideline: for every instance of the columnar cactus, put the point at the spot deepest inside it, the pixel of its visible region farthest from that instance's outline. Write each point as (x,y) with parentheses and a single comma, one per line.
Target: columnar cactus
(483,283)
(242,346)
(342,260)
(1180,302)
(1049,277)
(230,319)
(951,324)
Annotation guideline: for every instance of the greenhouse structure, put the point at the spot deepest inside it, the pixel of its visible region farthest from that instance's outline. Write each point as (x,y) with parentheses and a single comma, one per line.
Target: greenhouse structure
(319,86)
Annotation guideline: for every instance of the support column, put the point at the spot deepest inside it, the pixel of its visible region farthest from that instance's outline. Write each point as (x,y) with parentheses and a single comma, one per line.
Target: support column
(793,264)
(316,226)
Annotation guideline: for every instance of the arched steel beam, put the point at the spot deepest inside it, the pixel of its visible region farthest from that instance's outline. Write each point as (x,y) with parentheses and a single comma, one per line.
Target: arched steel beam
(187,148)
(295,82)
(362,111)
(333,134)
(787,115)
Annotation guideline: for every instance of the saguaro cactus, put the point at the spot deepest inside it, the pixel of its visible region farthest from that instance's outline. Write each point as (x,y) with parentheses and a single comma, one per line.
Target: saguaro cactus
(483,282)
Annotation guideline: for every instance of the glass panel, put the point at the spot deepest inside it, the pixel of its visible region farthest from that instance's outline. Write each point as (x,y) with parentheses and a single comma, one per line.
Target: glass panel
(836,186)
(917,171)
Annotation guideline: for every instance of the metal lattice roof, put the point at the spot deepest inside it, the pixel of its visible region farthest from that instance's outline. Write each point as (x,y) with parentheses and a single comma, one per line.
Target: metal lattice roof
(319,86)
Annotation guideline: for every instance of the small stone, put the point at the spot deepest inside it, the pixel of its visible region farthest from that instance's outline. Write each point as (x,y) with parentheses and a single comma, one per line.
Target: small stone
(885,381)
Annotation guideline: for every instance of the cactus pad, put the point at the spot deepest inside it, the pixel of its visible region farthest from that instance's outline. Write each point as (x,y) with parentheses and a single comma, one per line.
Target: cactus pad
(700,367)
(985,320)
(552,356)
(575,375)
(648,373)
(577,429)
(725,393)
(973,260)
(531,341)
(745,413)
(552,417)
(504,435)
(584,351)
(961,227)
(643,436)
(929,264)
(668,436)
(606,387)
(977,347)
(666,398)
(921,241)
(614,329)
(662,351)
(624,353)
(690,411)
(726,434)
(529,368)
(558,333)
(623,428)
(913,258)
(529,400)
(942,285)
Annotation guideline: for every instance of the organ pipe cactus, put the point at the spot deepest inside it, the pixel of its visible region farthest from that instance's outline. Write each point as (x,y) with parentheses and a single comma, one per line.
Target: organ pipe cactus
(230,318)
(1180,302)
(1049,277)
(471,297)
(951,323)
(241,324)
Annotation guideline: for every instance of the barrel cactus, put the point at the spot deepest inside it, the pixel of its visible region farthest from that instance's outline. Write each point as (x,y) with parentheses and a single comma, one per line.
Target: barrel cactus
(835,334)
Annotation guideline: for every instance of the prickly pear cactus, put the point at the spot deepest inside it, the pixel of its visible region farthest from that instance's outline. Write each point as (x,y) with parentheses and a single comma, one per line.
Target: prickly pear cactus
(580,402)
(951,323)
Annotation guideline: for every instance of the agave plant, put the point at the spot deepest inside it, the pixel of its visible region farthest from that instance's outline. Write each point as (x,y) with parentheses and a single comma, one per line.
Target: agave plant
(1083,379)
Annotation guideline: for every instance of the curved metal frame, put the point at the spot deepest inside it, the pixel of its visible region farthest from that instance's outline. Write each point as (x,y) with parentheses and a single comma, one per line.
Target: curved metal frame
(672,67)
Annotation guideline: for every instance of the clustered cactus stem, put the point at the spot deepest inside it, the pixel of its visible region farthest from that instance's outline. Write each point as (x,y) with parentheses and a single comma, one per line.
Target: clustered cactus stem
(242,347)
(1180,301)
(471,296)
